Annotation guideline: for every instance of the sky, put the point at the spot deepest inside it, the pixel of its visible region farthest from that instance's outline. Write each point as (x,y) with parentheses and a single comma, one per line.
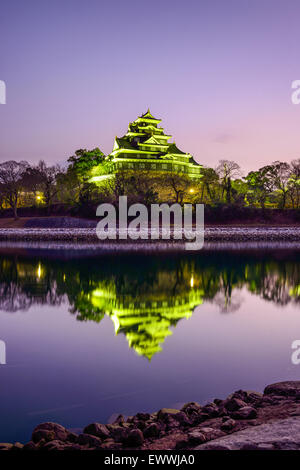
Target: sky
(217,72)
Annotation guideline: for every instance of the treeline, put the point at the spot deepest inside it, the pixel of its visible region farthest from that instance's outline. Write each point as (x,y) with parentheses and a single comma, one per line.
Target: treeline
(83,184)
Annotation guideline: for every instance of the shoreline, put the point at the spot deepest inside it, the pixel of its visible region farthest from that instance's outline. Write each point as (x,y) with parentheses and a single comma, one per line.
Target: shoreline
(245,420)
(211,233)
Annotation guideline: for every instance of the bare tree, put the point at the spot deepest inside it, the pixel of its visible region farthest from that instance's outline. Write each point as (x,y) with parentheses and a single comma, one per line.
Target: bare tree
(48,175)
(227,169)
(11,179)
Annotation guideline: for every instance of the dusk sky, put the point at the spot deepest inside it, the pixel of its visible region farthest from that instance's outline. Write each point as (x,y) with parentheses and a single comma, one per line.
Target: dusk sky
(217,72)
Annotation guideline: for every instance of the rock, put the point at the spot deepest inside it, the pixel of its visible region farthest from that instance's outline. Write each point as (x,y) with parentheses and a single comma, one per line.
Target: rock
(30,446)
(118,433)
(218,401)
(5,446)
(287,389)
(166,413)
(196,437)
(152,430)
(111,444)
(211,410)
(191,408)
(97,429)
(258,447)
(211,433)
(247,412)
(88,439)
(182,444)
(17,446)
(234,404)
(49,431)
(214,446)
(143,416)
(228,425)
(72,437)
(54,445)
(43,435)
(280,434)
(135,438)
(119,420)
(182,419)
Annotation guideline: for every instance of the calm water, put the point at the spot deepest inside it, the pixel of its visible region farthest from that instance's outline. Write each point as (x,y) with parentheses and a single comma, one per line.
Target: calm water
(87,338)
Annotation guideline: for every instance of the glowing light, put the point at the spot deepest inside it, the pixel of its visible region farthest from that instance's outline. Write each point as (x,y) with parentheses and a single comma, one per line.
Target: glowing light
(192,190)
(39,271)
(192,281)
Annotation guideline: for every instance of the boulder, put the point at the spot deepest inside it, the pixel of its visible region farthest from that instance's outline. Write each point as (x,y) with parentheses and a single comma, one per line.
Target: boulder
(88,439)
(54,445)
(211,410)
(118,433)
(247,412)
(152,430)
(50,431)
(287,389)
(196,437)
(191,408)
(228,425)
(97,429)
(143,416)
(166,413)
(5,446)
(234,404)
(17,446)
(111,444)
(135,438)
(30,446)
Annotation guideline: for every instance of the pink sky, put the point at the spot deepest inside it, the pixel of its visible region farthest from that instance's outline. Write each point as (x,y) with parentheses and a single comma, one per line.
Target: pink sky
(218,73)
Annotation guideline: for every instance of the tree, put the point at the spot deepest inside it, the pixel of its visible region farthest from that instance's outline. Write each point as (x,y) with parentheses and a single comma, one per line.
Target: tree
(278,174)
(32,181)
(294,184)
(178,183)
(209,180)
(259,185)
(48,175)
(84,161)
(11,179)
(227,170)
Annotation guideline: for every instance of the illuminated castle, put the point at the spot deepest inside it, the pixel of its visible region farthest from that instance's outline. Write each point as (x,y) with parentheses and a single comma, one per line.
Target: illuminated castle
(145,147)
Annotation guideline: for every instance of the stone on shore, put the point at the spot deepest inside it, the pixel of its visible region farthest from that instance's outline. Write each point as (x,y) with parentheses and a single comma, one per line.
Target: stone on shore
(283,434)
(97,429)
(287,389)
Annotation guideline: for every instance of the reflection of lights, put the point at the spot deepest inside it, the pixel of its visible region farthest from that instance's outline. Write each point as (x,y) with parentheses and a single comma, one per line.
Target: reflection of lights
(116,322)
(64,277)
(39,271)
(192,281)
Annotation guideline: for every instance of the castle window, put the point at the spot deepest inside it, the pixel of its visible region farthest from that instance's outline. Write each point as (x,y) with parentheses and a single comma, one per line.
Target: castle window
(153,166)
(164,166)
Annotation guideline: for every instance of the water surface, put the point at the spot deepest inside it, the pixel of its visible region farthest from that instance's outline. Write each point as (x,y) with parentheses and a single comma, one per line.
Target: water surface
(90,337)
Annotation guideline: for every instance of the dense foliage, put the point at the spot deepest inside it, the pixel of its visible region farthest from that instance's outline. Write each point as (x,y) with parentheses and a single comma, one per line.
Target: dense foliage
(85,183)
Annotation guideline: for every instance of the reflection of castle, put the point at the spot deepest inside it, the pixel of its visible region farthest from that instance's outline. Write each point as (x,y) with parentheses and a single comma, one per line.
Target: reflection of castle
(145,320)
(146,297)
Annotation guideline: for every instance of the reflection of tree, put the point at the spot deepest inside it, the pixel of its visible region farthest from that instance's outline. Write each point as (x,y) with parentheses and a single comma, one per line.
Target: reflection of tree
(145,297)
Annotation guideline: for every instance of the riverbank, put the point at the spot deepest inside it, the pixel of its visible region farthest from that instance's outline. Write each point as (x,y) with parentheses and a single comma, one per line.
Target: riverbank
(245,420)
(60,232)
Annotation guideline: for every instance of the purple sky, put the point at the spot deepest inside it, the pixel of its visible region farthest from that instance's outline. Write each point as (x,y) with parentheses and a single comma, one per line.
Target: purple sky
(218,72)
